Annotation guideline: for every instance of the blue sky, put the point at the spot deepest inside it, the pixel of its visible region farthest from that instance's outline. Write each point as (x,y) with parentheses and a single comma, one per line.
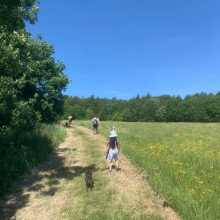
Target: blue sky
(121,48)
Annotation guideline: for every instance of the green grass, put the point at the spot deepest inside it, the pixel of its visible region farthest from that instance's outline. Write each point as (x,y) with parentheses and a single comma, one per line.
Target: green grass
(182,159)
(103,202)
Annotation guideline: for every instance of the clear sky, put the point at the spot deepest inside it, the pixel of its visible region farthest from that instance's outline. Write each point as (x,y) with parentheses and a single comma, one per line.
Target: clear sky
(121,48)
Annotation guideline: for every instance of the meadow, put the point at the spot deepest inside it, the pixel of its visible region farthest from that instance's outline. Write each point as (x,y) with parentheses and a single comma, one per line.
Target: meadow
(182,160)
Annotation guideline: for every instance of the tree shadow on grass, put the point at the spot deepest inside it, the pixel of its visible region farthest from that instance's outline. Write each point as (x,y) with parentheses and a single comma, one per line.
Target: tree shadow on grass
(41,181)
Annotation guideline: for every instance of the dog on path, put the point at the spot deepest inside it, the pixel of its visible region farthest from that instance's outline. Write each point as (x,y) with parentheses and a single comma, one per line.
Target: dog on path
(89,180)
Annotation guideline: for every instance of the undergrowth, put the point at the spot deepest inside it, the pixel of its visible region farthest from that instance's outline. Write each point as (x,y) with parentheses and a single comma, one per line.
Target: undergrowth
(19,152)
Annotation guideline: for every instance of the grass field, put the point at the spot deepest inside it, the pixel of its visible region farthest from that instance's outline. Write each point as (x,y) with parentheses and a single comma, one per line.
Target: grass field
(182,159)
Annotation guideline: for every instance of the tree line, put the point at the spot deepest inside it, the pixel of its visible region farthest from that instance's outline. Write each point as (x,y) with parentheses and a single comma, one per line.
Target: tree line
(200,107)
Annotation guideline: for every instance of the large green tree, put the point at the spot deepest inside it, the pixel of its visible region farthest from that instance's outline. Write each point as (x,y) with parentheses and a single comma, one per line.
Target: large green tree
(31,82)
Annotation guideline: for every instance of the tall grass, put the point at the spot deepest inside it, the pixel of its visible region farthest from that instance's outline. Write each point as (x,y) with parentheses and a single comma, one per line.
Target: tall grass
(20,152)
(182,159)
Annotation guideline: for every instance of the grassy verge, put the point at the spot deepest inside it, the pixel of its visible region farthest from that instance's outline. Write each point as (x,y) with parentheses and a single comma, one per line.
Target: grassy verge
(21,152)
(183,161)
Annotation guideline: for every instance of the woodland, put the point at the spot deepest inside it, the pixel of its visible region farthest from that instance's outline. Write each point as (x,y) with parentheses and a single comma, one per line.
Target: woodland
(200,107)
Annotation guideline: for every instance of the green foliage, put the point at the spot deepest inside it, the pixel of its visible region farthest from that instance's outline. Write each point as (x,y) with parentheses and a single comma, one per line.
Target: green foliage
(127,115)
(31,81)
(117,116)
(20,151)
(160,114)
(31,85)
(13,14)
(78,112)
(89,114)
(197,108)
(35,78)
(103,113)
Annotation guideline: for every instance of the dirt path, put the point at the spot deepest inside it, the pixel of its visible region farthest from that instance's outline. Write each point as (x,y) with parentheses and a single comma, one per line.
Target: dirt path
(56,189)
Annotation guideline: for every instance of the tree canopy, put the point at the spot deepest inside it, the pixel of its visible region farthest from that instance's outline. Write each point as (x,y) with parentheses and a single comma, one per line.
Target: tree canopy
(31,81)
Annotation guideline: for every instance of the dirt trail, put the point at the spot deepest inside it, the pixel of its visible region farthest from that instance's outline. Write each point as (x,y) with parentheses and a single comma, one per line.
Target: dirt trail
(44,193)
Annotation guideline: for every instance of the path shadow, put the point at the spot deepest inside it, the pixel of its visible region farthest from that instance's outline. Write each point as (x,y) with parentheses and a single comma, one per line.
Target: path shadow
(67,125)
(65,149)
(43,181)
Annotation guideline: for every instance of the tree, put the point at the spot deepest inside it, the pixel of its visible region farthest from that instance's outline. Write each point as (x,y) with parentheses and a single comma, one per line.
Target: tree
(127,115)
(14,13)
(175,110)
(103,114)
(30,76)
(161,114)
(31,85)
(33,74)
(89,114)
(78,112)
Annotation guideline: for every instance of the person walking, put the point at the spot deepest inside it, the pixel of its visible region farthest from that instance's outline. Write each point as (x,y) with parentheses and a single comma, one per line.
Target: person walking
(112,151)
(70,118)
(95,122)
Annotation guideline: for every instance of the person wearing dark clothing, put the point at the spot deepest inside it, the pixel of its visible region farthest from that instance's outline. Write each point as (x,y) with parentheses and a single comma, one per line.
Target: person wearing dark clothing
(95,122)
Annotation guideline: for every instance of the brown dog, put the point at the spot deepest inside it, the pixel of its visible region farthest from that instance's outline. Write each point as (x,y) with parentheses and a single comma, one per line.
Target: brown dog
(89,180)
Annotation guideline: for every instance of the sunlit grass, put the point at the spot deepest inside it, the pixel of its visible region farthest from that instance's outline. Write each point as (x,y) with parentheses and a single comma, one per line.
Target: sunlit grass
(104,202)
(182,159)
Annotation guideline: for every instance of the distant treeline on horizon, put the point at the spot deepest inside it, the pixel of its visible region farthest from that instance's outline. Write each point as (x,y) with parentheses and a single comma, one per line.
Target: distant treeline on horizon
(200,107)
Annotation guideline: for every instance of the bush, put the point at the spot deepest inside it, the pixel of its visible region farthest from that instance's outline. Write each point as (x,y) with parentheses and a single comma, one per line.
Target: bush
(21,152)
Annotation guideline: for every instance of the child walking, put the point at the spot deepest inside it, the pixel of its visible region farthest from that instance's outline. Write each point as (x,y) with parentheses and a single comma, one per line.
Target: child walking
(112,152)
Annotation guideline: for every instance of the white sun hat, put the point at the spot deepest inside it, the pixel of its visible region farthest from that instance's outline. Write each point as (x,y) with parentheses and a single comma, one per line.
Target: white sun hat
(113,134)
